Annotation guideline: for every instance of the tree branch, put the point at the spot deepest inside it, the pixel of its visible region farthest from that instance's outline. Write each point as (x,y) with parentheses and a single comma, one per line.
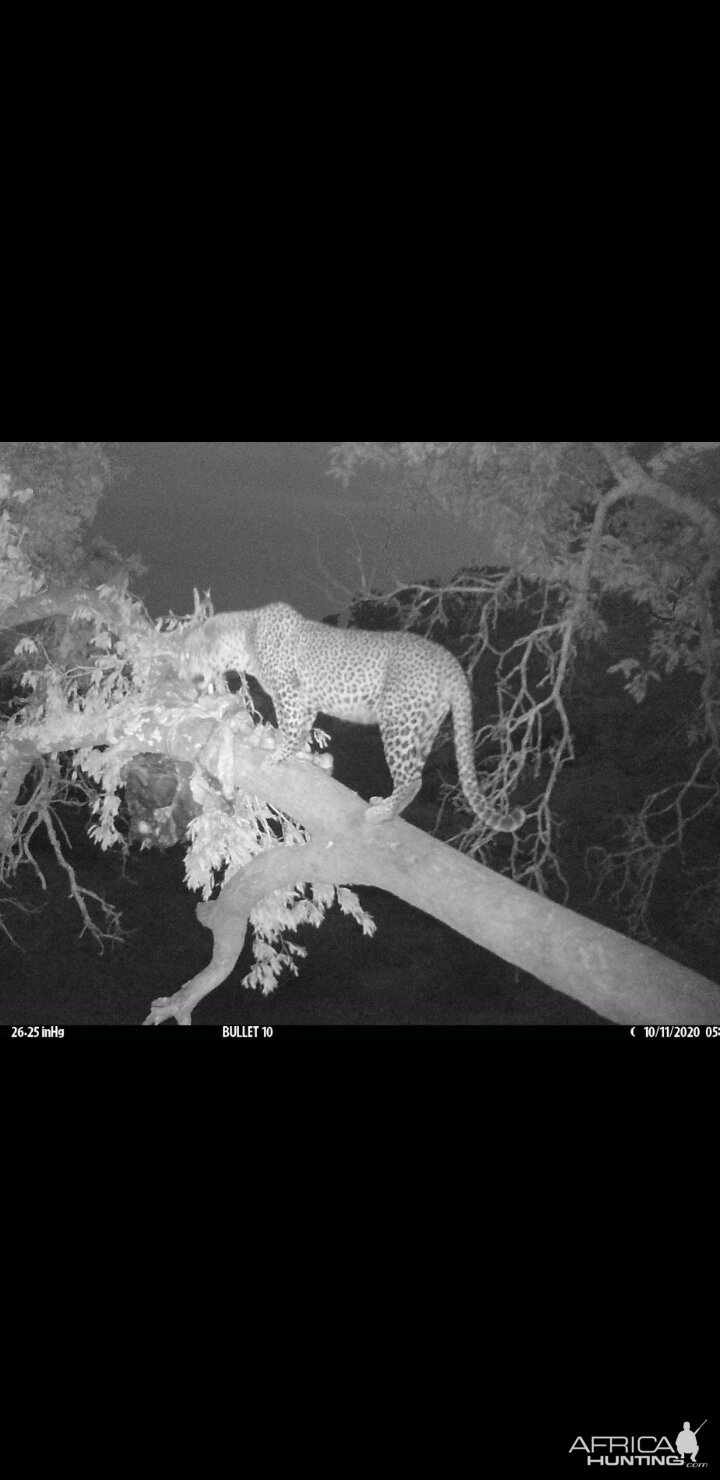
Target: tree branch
(616,977)
(633,480)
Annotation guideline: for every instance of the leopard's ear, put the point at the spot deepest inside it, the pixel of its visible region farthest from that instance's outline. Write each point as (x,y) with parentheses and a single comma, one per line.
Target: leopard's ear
(203,606)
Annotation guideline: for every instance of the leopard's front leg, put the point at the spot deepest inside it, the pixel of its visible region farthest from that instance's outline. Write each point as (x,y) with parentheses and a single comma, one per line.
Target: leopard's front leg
(295,717)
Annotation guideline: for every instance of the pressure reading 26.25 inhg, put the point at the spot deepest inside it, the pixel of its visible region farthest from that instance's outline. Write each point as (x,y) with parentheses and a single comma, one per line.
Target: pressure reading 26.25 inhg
(38,1032)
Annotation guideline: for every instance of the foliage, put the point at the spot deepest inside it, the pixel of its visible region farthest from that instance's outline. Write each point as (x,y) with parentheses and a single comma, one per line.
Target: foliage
(19,578)
(67,480)
(539,501)
(104,693)
(286,910)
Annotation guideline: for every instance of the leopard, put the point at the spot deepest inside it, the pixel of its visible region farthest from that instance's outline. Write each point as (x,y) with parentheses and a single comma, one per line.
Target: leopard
(400,681)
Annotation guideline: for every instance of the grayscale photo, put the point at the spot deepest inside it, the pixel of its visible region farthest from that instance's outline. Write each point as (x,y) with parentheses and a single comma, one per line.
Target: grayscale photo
(364,739)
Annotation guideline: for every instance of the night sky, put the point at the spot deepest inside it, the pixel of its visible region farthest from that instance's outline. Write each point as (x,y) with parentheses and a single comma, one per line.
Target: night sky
(248,521)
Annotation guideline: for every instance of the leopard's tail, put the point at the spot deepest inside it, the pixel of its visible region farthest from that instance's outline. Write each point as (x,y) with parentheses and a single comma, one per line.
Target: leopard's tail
(464,752)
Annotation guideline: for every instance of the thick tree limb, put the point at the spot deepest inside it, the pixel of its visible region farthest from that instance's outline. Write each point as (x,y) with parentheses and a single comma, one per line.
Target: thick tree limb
(616,977)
